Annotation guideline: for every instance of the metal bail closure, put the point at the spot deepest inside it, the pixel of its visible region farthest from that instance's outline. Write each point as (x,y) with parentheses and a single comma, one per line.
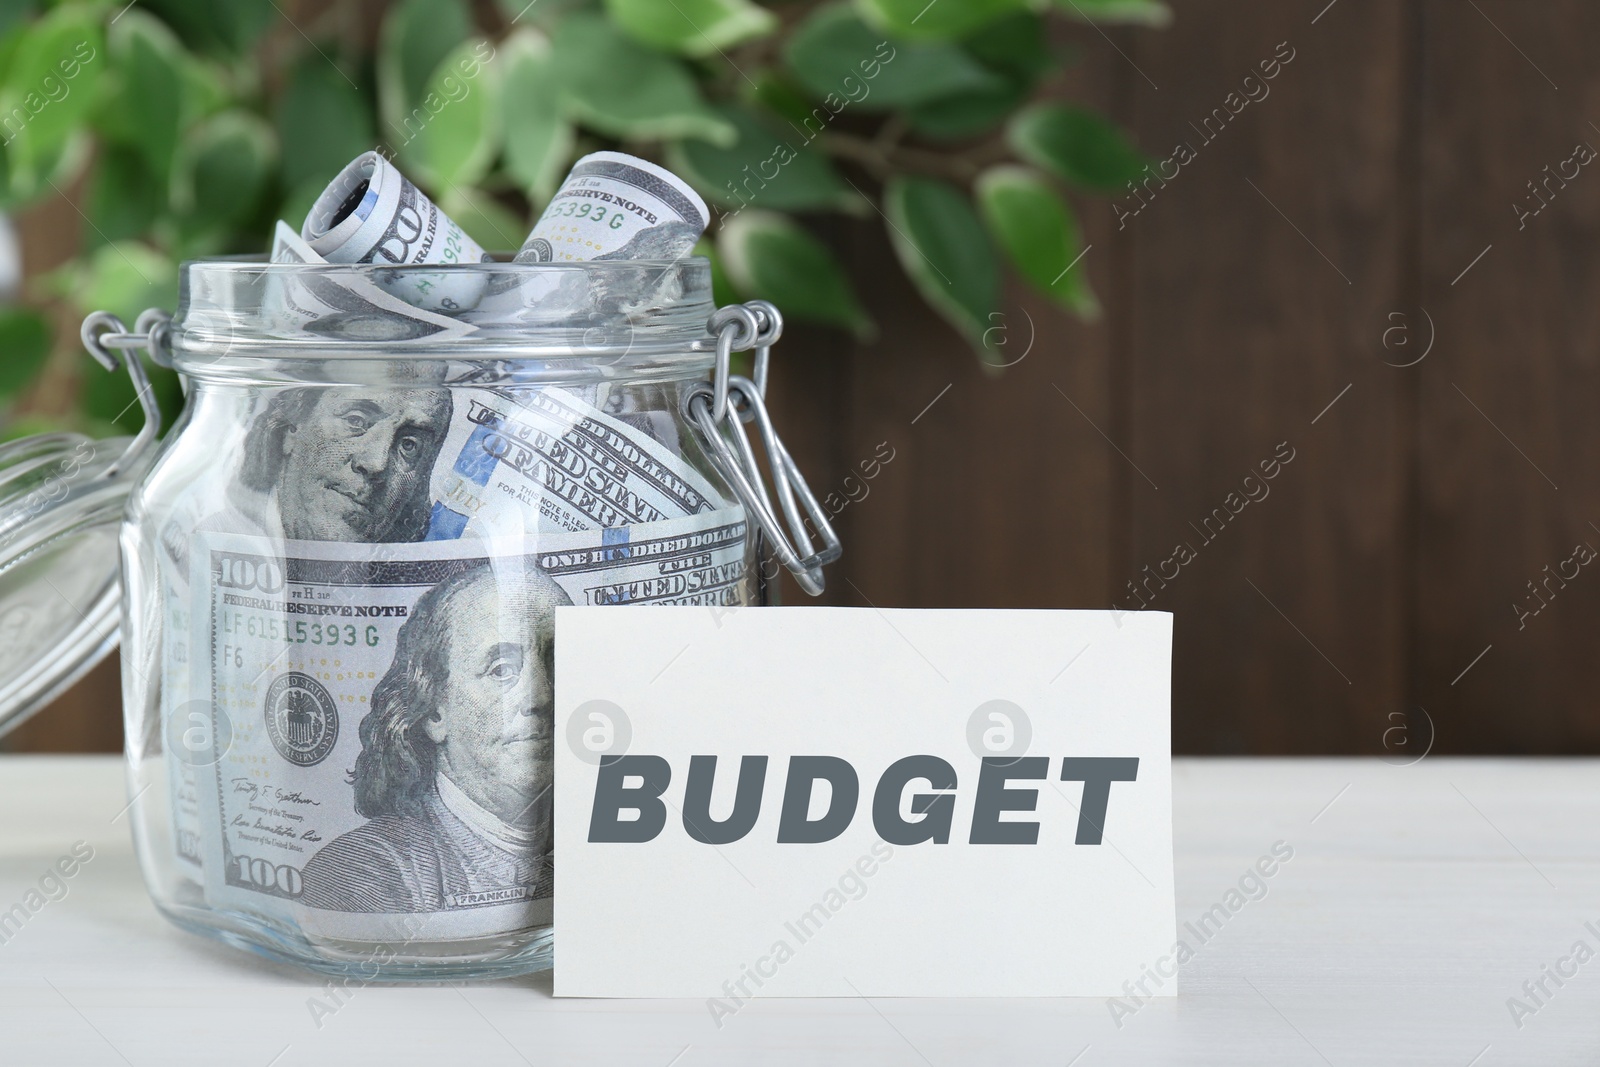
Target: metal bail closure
(102,332)
(62,497)
(719,409)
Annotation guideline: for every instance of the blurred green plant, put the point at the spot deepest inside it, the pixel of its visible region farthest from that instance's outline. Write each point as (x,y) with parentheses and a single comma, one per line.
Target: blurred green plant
(190,125)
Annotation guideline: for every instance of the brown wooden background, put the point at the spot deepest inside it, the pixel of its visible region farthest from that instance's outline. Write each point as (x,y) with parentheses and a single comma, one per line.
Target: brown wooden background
(1378,578)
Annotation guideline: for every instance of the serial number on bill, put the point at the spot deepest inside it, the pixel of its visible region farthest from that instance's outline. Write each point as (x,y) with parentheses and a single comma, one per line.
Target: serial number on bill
(299,631)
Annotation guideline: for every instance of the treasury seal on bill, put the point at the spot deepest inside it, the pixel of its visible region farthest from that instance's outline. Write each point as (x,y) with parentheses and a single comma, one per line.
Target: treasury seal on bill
(302,720)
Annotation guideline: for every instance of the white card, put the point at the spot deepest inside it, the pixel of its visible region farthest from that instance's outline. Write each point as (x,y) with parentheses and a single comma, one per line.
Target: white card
(713,905)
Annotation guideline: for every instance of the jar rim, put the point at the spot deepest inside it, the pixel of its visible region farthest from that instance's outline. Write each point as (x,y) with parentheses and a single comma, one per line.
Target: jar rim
(501,261)
(242,306)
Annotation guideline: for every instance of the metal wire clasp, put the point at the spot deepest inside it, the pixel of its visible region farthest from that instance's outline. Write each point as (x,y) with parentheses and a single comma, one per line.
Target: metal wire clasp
(720,408)
(102,333)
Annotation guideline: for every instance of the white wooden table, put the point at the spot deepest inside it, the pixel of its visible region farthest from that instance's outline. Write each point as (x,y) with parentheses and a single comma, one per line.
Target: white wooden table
(1419,899)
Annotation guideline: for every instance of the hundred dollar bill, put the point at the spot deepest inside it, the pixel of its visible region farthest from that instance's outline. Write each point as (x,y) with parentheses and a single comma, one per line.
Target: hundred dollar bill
(520,458)
(389,710)
(182,733)
(343,309)
(426,459)
(613,206)
(699,561)
(616,206)
(371,213)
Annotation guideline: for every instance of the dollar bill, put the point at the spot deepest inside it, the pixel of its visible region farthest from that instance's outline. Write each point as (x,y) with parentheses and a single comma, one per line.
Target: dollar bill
(616,206)
(372,213)
(699,561)
(613,206)
(389,710)
(182,734)
(433,460)
(518,458)
(344,309)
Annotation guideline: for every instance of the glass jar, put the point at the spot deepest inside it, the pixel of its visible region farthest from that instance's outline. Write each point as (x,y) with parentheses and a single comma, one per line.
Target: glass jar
(340,569)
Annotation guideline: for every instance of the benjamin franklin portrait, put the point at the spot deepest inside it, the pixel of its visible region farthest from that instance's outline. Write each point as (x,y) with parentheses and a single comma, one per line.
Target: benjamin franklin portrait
(454,773)
(345,464)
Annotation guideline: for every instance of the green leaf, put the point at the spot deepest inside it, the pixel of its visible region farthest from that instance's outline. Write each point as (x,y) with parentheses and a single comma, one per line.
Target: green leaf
(622,89)
(457,119)
(944,249)
(1039,234)
(125,198)
(12,192)
(1076,145)
(768,256)
(486,220)
(50,86)
(123,277)
(244,21)
(1017,49)
(1017,46)
(844,62)
(967,115)
(221,171)
(209,88)
(232,26)
(538,140)
(323,119)
(10,41)
(1136,12)
(539,13)
(144,107)
(773,91)
(772,167)
(24,347)
(14,12)
(692,27)
(58,167)
(415,38)
(944,19)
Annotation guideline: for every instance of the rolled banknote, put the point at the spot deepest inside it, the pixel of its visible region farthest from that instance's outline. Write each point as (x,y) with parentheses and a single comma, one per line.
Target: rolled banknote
(371,213)
(616,206)
(391,719)
(345,309)
(611,207)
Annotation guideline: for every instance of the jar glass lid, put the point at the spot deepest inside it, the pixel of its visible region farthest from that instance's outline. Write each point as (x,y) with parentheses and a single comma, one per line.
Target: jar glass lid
(61,502)
(62,497)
